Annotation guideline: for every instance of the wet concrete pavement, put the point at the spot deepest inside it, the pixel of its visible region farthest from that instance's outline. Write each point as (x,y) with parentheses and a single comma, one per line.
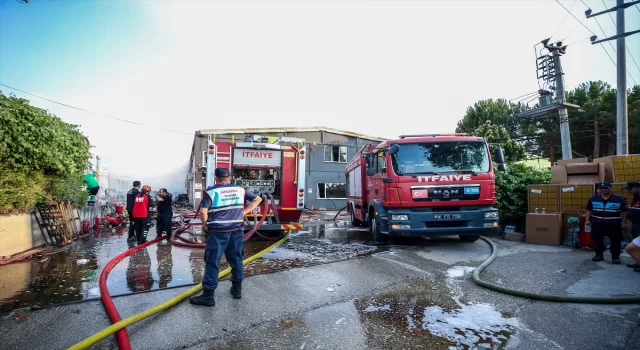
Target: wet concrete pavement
(407,296)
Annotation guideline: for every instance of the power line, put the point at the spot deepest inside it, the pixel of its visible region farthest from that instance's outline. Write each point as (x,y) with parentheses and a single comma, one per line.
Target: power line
(523,96)
(96,113)
(576,18)
(564,19)
(625,45)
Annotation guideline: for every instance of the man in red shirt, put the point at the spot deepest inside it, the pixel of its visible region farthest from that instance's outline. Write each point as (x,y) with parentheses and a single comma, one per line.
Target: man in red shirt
(140,213)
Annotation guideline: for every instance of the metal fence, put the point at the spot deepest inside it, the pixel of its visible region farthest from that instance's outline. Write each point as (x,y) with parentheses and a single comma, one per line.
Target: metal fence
(113,188)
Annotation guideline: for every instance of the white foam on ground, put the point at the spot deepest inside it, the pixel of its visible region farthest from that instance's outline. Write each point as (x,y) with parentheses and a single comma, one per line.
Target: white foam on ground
(468,325)
(459,271)
(372,308)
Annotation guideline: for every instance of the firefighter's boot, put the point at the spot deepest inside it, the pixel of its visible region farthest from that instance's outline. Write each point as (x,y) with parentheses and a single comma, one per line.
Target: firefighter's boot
(236,290)
(206,298)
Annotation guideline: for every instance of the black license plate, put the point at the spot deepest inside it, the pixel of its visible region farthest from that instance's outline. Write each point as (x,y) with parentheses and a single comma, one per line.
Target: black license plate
(447,216)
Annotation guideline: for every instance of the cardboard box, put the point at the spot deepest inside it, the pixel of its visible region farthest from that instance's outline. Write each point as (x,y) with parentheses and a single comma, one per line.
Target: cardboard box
(545,229)
(544,196)
(621,168)
(578,173)
(574,198)
(571,161)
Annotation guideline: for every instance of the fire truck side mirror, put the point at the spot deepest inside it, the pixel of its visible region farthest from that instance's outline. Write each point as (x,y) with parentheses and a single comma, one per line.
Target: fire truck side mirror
(502,167)
(395,148)
(499,156)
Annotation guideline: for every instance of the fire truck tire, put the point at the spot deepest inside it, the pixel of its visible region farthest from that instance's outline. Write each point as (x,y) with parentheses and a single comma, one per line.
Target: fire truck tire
(469,238)
(377,235)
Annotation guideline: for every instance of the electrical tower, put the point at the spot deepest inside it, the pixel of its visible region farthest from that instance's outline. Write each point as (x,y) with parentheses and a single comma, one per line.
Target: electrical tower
(622,128)
(549,69)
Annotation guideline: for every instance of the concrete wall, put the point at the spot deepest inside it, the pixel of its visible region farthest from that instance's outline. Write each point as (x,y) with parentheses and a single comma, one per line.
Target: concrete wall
(19,233)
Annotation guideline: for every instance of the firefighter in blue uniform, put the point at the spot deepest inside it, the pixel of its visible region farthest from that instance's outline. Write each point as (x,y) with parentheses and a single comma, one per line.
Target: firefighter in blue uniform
(222,214)
(634,216)
(607,215)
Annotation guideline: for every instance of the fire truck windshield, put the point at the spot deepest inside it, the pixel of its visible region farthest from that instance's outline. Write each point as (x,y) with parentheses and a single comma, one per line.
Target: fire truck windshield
(441,157)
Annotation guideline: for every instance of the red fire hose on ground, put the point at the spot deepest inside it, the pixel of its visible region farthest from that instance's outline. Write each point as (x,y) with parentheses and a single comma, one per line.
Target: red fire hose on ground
(121,335)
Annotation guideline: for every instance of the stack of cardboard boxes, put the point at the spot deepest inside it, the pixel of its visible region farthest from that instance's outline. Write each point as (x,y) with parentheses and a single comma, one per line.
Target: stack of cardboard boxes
(573,183)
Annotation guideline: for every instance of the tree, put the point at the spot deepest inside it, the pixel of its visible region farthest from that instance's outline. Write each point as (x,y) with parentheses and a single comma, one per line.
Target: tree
(41,157)
(498,135)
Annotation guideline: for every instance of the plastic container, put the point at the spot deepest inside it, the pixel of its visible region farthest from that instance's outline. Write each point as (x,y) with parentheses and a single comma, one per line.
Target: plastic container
(585,237)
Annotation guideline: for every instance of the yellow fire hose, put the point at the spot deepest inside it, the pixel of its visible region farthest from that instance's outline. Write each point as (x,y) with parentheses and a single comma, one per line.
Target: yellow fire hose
(87,342)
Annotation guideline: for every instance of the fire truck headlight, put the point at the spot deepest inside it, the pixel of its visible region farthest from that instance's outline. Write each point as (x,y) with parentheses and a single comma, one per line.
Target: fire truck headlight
(491,215)
(399,217)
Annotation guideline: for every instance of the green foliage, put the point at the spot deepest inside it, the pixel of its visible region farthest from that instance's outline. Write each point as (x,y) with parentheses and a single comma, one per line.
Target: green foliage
(498,135)
(19,192)
(38,152)
(511,188)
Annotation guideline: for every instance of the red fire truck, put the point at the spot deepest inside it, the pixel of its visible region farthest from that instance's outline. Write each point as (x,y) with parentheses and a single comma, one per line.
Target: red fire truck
(273,167)
(424,185)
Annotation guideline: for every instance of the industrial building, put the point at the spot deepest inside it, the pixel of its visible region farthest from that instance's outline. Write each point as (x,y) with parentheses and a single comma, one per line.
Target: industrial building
(328,151)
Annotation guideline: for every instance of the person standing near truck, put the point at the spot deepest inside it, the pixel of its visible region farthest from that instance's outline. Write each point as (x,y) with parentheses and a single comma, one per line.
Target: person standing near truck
(165,212)
(634,216)
(222,214)
(607,215)
(131,195)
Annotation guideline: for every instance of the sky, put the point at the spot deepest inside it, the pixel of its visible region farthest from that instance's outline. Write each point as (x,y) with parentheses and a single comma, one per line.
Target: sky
(382,68)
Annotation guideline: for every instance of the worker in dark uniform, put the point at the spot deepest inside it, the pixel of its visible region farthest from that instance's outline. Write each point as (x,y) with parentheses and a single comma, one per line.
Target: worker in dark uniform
(222,214)
(165,212)
(633,212)
(607,215)
(140,212)
(131,195)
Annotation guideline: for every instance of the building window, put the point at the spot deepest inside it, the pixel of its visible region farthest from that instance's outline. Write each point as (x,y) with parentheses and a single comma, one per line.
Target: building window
(335,154)
(332,190)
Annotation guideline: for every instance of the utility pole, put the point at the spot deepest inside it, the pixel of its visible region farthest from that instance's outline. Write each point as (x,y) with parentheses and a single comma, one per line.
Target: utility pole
(622,128)
(563,114)
(549,69)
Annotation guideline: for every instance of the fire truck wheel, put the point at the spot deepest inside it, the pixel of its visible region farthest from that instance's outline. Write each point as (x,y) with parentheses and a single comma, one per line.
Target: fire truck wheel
(470,238)
(377,235)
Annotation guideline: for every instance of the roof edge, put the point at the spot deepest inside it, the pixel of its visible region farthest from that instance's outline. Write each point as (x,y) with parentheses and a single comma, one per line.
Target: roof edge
(291,129)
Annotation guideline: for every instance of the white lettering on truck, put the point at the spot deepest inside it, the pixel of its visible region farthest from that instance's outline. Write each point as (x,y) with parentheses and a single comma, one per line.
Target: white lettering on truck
(441,178)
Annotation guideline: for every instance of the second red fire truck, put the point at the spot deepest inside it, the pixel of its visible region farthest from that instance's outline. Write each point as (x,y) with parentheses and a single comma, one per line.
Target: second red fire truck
(424,185)
(266,166)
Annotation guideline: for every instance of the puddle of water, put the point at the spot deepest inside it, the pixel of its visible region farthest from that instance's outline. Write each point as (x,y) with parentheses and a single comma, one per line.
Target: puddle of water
(72,275)
(472,325)
(421,314)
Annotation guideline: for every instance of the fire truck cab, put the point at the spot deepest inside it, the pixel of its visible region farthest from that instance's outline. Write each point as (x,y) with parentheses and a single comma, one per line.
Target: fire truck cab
(425,185)
(266,166)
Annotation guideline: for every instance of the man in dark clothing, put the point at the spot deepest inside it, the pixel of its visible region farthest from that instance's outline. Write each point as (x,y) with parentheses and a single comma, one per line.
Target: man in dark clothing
(634,216)
(607,215)
(222,214)
(165,212)
(131,195)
